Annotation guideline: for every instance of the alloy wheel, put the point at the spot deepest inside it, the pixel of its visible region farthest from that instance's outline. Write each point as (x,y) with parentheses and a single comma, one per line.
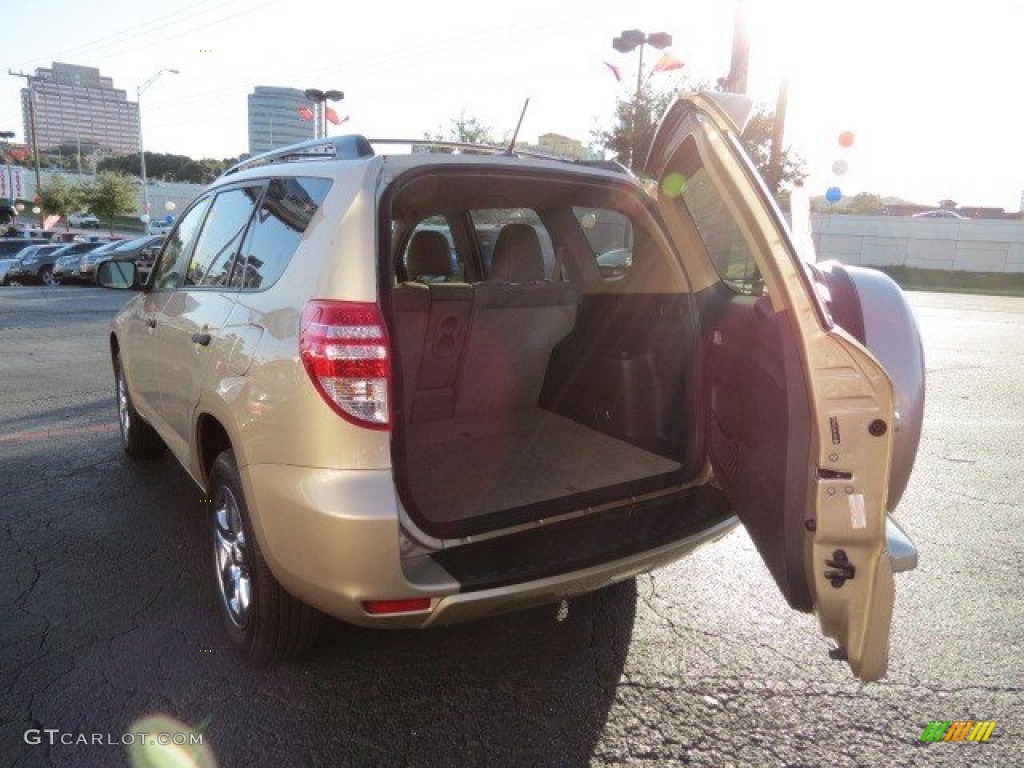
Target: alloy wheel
(230,554)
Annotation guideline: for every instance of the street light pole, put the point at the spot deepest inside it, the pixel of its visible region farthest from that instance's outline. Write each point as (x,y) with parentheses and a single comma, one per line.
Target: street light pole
(142,146)
(626,42)
(320,99)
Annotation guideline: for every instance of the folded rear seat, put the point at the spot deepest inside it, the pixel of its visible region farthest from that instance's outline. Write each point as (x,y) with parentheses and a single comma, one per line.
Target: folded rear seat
(518,317)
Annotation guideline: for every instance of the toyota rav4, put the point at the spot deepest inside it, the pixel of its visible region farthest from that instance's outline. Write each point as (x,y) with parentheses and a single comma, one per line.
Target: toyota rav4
(425,388)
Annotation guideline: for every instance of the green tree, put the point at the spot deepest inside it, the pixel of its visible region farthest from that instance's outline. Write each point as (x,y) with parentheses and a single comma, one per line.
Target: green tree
(61,198)
(637,117)
(465,129)
(110,195)
(865,204)
(635,122)
(757,140)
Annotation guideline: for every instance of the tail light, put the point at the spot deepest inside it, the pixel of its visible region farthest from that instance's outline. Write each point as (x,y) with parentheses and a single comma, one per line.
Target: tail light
(344,346)
(411,605)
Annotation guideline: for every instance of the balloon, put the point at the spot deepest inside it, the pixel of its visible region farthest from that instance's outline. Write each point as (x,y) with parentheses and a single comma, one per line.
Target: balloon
(846,139)
(833,194)
(169,205)
(168,219)
(839,167)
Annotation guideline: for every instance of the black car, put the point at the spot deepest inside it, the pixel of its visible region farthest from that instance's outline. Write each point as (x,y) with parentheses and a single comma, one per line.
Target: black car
(142,251)
(38,266)
(67,267)
(35,265)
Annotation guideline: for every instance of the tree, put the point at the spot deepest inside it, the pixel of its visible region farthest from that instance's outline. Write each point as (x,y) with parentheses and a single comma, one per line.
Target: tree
(865,204)
(757,140)
(110,195)
(465,129)
(61,198)
(637,118)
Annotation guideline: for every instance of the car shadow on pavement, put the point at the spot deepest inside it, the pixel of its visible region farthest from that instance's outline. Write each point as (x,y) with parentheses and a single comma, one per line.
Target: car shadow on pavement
(113,617)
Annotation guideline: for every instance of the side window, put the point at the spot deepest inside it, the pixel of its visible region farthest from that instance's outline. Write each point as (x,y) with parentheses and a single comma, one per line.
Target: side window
(281,219)
(719,231)
(610,235)
(221,237)
(170,268)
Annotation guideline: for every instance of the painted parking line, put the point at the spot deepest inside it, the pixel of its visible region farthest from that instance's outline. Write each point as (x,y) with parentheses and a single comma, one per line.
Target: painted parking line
(44,434)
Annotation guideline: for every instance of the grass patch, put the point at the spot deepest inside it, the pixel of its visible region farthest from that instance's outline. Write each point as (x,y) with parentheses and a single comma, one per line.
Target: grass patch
(951,281)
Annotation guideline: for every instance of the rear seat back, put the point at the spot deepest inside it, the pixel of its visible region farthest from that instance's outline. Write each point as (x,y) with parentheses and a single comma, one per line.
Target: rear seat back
(518,317)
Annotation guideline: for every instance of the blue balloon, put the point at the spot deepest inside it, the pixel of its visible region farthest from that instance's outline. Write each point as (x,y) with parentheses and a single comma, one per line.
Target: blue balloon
(168,219)
(833,194)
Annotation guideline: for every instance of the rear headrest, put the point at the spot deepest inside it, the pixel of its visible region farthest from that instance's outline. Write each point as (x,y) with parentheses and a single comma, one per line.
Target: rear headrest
(428,255)
(517,256)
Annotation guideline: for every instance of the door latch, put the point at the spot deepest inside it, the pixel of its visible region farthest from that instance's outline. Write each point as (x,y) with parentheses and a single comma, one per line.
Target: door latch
(843,569)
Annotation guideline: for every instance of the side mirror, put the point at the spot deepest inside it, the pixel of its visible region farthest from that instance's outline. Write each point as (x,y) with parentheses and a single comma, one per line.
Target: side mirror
(120,275)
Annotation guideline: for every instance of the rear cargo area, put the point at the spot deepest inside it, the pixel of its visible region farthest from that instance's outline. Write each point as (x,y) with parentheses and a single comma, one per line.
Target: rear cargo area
(478,465)
(545,353)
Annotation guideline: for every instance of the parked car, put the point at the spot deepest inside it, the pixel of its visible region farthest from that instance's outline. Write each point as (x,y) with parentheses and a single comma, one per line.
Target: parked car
(86,270)
(142,251)
(938,214)
(160,227)
(66,267)
(35,265)
(84,220)
(5,264)
(407,452)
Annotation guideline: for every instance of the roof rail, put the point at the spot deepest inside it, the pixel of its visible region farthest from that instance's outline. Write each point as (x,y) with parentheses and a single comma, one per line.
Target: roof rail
(348,147)
(491,149)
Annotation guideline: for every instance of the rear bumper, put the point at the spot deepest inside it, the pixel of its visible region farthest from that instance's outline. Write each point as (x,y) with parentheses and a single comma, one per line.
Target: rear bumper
(333,539)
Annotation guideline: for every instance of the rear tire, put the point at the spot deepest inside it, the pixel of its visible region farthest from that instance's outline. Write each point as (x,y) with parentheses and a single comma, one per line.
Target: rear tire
(265,622)
(140,441)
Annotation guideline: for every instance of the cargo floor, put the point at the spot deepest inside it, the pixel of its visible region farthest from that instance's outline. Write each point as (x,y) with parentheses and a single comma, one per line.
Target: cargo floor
(464,468)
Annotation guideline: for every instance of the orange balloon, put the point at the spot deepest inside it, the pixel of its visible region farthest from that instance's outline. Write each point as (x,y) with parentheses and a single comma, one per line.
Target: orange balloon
(846,139)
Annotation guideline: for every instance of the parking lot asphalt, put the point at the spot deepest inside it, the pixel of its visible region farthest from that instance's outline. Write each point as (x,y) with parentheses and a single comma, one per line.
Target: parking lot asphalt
(107,609)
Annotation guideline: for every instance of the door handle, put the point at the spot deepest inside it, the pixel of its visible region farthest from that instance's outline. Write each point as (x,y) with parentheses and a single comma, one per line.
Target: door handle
(201,338)
(151,322)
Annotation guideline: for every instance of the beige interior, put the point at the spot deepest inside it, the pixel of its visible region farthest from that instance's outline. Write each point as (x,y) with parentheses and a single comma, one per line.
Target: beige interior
(479,464)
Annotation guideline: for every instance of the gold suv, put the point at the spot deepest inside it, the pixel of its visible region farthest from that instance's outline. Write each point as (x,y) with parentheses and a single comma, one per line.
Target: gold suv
(424,388)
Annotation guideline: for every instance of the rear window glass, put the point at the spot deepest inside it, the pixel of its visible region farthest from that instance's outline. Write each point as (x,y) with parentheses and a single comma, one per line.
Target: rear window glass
(281,219)
(610,235)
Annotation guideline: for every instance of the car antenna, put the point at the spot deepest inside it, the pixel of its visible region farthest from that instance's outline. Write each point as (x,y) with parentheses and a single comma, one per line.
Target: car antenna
(515,135)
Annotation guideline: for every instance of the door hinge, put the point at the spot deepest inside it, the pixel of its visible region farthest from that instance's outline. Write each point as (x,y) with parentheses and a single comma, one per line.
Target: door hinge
(843,569)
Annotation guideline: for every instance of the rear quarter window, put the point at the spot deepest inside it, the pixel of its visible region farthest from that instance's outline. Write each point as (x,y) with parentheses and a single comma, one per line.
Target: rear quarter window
(284,213)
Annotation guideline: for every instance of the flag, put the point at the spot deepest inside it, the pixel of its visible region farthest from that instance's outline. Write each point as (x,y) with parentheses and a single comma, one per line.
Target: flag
(667,63)
(305,113)
(332,117)
(615,71)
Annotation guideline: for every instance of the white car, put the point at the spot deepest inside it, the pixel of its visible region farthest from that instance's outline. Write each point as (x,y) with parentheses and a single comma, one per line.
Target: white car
(159,227)
(84,220)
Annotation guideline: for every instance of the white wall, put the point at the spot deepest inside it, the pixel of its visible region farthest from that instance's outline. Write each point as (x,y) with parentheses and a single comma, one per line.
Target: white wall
(973,245)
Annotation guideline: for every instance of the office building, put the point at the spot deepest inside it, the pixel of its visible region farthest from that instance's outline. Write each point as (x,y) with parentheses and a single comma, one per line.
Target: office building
(275,119)
(76,106)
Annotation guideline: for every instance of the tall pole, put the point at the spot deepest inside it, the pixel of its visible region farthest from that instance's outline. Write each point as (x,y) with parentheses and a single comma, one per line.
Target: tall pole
(736,81)
(778,134)
(142,146)
(32,128)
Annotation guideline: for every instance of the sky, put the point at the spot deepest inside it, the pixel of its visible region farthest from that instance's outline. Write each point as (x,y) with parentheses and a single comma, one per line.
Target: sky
(932,95)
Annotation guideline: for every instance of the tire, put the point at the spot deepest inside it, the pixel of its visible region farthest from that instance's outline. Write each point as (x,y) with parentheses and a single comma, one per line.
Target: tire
(46,277)
(264,622)
(139,440)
